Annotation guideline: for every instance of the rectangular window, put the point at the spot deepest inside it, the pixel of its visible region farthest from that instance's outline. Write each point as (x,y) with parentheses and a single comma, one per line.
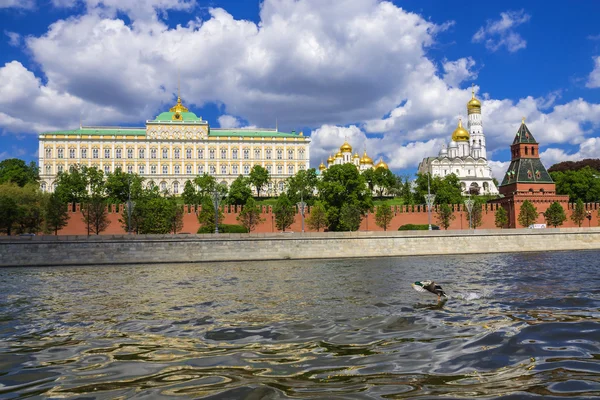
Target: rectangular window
(107,169)
(270,169)
(246,154)
(71,153)
(290,154)
(153,169)
(141,169)
(223,153)
(141,153)
(177,169)
(280,169)
(268,154)
(48,153)
(165,153)
(106,153)
(246,169)
(61,168)
(223,169)
(234,170)
(301,154)
(257,154)
(234,154)
(177,154)
(130,169)
(48,169)
(165,169)
(83,153)
(119,153)
(188,154)
(200,169)
(153,153)
(95,153)
(290,170)
(279,154)
(211,154)
(129,153)
(61,153)
(302,167)
(200,154)
(188,169)
(213,170)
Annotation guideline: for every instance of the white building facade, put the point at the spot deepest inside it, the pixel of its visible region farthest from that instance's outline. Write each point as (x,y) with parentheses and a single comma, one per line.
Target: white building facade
(173,148)
(465,156)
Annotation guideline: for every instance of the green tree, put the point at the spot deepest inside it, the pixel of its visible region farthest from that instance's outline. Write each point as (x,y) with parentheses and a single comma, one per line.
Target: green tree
(175,215)
(189,194)
(16,171)
(369,177)
(350,216)
(95,215)
(55,214)
(579,213)
(582,184)
(477,214)
(317,218)
(284,212)
(206,184)
(239,191)
(259,177)
(384,180)
(250,215)
(72,186)
(206,216)
(405,190)
(9,213)
(302,186)
(384,215)
(339,185)
(555,214)
(528,214)
(28,216)
(501,218)
(445,215)
(117,186)
(447,189)
(95,180)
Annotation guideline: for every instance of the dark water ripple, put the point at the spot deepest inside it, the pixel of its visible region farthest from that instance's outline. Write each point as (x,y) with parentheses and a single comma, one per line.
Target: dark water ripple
(516,326)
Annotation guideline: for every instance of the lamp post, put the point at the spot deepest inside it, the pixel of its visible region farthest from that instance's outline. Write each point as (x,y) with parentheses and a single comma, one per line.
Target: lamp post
(429,199)
(589,218)
(367,214)
(216,197)
(469,203)
(301,204)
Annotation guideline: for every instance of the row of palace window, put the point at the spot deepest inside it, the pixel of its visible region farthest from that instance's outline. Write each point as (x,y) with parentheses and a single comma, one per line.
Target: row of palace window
(212,169)
(235,155)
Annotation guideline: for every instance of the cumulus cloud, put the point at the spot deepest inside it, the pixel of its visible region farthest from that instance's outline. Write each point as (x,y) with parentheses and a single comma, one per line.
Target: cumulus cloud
(135,9)
(25,4)
(589,148)
(496,34)
(456,72)
(14,39)
(499,168)
(229,121)
(594,78)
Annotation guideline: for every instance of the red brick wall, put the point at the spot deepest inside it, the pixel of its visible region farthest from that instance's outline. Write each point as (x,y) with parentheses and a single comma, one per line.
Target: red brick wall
(403,215)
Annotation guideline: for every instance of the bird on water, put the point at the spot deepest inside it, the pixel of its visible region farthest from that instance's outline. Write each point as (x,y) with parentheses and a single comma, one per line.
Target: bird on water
(429,286)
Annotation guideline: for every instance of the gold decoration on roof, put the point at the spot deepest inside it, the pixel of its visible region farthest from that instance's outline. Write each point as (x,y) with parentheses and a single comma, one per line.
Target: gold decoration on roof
(322,166)
(178,108)
(474,105)
(366,159)
(346,148)
(330,159)
(460,134)
(355,156)
(381,164)
(338,154)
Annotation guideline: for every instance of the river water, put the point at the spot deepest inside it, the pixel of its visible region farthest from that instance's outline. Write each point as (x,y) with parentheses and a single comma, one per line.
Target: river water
(515,326)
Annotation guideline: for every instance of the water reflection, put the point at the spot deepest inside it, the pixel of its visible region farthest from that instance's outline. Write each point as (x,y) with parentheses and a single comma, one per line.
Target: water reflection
(305,329)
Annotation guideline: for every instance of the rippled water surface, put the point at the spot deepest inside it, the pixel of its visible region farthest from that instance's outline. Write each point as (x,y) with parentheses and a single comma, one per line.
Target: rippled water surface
(515,326)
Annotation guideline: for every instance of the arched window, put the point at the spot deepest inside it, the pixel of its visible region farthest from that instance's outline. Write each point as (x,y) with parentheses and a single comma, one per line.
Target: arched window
(177,169)
(533,151)
(177,154)
(257,154)
(526,151)
(176,188)
(188,154)
(141,153)
(188,169)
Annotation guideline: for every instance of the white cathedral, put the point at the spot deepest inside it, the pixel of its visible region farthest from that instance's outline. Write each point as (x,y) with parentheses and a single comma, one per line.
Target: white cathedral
(465,155)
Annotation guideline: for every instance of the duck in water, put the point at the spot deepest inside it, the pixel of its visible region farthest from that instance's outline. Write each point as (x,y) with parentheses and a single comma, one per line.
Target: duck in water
(429,286)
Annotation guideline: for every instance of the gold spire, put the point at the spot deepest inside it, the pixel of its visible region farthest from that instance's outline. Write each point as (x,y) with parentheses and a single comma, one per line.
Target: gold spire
(474,105)
(460,134)
(523,120)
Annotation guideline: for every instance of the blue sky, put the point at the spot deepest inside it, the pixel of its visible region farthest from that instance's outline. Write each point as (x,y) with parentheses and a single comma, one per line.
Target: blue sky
(392,77)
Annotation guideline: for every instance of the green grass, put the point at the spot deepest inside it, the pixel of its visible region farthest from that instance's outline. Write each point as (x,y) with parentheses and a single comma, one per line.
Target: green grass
(391,201)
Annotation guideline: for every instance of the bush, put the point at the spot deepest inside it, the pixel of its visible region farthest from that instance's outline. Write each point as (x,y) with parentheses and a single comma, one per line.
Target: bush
(416,227)
(224,228)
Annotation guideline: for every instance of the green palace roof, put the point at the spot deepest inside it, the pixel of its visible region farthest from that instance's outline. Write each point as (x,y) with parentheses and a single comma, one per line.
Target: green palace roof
(101,131)
(251,133)
(167,116)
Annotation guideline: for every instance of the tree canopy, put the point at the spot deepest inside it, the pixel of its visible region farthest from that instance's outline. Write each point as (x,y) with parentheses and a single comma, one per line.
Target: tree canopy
(446,189)
(259,177)
(582,184)
(17,171)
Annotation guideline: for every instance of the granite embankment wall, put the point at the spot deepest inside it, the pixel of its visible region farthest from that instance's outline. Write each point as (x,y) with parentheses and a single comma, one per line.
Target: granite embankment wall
(402,215)
(123,249)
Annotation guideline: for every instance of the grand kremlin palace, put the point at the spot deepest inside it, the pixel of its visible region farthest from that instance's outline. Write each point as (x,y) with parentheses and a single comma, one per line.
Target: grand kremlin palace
(174,148)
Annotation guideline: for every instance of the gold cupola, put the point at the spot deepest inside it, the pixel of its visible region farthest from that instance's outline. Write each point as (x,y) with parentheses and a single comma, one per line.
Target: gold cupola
(460,134)
(330,159)
(346,148)
(474,105)
(355,156)
(339,155)
(381,164)
(365,159)
(322,166)
(177,109)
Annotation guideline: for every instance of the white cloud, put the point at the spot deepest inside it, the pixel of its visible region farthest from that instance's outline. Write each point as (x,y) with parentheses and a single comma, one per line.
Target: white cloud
(589,148)
(229,121)
(594,78)
(135,9)
(500,33)
(26,4)
(499,168)
(14,39)
(455,72)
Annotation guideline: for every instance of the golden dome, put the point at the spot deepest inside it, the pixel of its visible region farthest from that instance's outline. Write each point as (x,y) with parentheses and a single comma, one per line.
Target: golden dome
(338,154)
(474,105)
(355,156)
(322,166)
(330,159)
(366,159)
(381,164)
(346,148)
(460,134)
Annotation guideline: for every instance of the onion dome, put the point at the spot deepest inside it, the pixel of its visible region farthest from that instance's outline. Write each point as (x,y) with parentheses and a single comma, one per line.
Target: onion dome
(460,134)
(322,166)
(346,148)
(365,159)
(355,156)
(443,151)
(381,164)
(338,154)
(474,105)
(452,145)
(330,159)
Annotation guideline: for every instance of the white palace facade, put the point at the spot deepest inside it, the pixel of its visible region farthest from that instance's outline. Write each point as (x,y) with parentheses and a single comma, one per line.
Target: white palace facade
(465,155)
(173,148)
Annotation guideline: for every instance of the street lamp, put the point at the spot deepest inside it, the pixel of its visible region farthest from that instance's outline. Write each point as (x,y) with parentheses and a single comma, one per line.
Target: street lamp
(589,218)
(469,203)
(216,197)
(301,205)
(429,199)
(130,207)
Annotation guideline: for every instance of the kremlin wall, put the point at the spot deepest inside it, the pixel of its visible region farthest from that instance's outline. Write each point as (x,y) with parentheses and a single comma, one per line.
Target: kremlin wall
(402,215)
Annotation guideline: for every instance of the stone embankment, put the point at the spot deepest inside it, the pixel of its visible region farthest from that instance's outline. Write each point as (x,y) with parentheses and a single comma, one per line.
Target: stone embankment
(145,249)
